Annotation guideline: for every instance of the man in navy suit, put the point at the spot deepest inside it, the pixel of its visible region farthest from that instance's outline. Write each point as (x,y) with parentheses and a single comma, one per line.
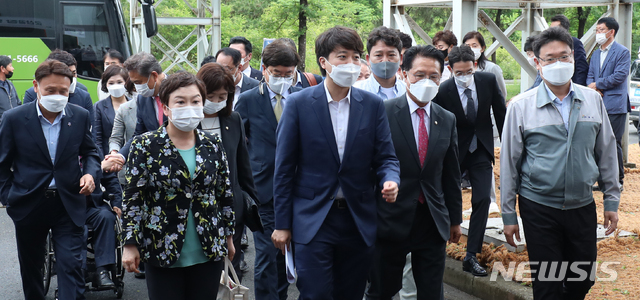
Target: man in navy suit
(245,47)
(261,109)
(43,184)
(77,96)
(230,59)
(608,73)
(333,152)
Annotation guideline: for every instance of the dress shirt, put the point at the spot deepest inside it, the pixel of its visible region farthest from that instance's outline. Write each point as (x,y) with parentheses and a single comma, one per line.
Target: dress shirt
(339,111)
(299,79)
(564,106)
(371,85)
(51,133)
(272,96)
(463,97)
(238,90)
(247,71)
(603,54)
(446,74)
(415,118)
(4,84)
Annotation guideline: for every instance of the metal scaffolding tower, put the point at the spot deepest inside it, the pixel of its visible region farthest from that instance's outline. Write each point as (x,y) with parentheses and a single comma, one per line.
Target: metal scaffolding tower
(205,14)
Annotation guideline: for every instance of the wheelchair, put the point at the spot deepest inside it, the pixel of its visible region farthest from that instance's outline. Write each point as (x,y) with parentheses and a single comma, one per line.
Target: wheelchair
(117,273)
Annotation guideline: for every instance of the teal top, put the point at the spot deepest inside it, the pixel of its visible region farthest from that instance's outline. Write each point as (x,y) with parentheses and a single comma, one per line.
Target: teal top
(191,253)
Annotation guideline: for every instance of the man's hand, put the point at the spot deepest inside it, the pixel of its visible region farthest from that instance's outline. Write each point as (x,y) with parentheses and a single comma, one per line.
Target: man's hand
(509,231)
(281,238)
(87,185)
(112,163)
(131,258)
(118,211)
(456,233)
(390,191)
(231,248)
(610,221)
(593,86)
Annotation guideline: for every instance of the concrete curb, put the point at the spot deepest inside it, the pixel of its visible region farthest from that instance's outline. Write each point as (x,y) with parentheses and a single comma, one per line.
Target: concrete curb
(482,287)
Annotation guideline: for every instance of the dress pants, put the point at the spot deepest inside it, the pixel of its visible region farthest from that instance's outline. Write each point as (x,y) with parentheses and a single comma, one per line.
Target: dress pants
(102,220)
(269,283)
(618,125)
(427,250)
(197,282)
(555,235)
(479,167)
(335,264)
(68,243)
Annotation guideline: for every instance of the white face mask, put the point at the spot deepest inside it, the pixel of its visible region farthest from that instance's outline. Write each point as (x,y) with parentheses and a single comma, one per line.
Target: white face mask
(464,81)
(601,38)
(344,75)
(211,107)
(54,103)
(558,73)
(144,90)
(424,90)
(116,90)
(186,118)
(477,52)
(279,84)
(531,61)
(72,87)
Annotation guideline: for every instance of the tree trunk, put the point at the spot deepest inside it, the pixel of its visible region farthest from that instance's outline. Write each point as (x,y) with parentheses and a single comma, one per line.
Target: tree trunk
(583,15)
(302,31)
(499,23)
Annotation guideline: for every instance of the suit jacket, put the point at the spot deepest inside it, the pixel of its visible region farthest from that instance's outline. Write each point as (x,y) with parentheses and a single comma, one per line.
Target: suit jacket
(103,124)
(248,83)
(80,97)
(438,180)
(235,146)
(612,78)
(581,67)
(26,169)
(256,74)
(124,125)
(146,120)
(489,96)
(308,169)
(305,82)
(260,128)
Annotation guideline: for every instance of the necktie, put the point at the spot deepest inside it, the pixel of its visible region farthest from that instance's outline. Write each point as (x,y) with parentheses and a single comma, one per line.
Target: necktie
(160,111)
(423,144)
(471,116)
(277,109)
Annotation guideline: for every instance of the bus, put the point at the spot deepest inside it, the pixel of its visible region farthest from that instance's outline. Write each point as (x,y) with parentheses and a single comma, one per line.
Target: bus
(31,29)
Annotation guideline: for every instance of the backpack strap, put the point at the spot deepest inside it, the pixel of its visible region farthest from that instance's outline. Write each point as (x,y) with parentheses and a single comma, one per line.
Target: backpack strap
(310,78)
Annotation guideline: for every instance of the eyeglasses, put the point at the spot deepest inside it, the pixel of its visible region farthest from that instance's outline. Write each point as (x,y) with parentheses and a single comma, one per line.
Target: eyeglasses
(287,77)
(470,72)
(564,58)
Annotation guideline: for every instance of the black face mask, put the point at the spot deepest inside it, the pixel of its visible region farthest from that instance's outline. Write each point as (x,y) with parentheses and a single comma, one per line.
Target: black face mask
(9,75)
(445,52)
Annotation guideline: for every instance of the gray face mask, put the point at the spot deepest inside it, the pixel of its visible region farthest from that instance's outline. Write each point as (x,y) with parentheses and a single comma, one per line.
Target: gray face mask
(385,69)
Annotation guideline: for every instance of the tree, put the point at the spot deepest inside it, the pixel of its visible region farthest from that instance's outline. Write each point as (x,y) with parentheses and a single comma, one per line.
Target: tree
(302,33)
(583,15)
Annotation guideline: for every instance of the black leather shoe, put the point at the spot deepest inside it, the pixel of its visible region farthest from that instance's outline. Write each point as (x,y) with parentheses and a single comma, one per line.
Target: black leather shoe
(473,266)
(103,280)
(140,275)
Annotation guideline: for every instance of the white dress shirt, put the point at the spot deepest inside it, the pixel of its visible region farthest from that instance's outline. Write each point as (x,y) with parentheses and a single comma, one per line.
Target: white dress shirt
(247,71)
(415,119)
(339,111)
(373,86)
(237,92)
(463,97)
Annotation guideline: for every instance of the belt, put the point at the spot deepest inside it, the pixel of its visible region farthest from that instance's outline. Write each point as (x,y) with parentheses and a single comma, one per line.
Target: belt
(51,193)
(340,203)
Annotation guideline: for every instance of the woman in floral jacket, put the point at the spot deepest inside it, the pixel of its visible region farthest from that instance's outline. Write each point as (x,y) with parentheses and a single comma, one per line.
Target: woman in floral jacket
(178,203)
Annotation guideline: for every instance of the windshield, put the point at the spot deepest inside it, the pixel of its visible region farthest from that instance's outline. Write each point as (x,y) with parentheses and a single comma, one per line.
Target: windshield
(635,71)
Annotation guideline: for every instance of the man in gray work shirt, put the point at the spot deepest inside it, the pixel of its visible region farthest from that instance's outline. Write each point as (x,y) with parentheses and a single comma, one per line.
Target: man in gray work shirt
(556,140)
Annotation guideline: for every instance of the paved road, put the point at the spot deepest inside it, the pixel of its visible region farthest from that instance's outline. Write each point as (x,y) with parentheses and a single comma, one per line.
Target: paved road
(135,289)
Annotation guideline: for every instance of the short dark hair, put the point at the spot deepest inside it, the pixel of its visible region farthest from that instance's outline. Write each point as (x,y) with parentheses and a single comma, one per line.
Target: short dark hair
(564,21)
(427,51)
(248,48)
(115,54)
(110,72)
(178,80)
(463,53)
(388,36)
(550,35)
(336,36)
(528,44)
(611,23)
(407,42)
(445,36)
(63,57)
(144,63)
(236,56)
(5,61)
(478,36)
(53,67)
(280,53)
(208,59)
(215,77)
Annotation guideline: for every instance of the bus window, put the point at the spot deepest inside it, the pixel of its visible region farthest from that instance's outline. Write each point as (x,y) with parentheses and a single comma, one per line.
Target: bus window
(29,19)
(86,36)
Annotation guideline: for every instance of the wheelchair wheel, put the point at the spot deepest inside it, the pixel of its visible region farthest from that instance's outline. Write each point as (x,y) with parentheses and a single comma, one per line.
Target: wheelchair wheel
(47,268)
(118,277)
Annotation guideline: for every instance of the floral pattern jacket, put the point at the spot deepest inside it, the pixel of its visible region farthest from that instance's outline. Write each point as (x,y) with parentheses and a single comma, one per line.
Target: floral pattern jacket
(159,192)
